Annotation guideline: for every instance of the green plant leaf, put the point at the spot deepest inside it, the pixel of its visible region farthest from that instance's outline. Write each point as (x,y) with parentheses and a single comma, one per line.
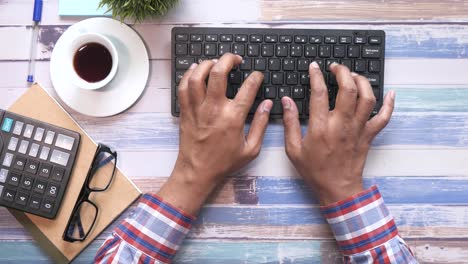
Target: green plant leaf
(138,9)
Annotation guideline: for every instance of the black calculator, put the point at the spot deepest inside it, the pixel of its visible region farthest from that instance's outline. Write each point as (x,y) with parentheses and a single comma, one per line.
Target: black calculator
(36,161)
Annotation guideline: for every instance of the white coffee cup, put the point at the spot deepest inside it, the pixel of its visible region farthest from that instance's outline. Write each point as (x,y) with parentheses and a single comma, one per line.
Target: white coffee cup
(79,42)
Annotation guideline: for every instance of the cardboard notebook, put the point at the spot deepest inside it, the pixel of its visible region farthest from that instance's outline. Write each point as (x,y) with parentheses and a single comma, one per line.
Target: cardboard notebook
(38,104)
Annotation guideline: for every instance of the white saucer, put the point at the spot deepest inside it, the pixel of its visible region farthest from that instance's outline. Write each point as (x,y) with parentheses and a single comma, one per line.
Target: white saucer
(129,82)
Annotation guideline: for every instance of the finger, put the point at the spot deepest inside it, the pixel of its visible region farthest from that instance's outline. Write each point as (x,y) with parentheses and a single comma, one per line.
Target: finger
(347,90)
(248,91)
(292,128)
(217,83)
(366,99)
(183,88)
(258,127)
(197,82)
(318,105)
(380,121)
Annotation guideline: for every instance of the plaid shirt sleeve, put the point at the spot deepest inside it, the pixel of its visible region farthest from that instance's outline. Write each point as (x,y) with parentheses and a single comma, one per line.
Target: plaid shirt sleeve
(365,230)
(152,235)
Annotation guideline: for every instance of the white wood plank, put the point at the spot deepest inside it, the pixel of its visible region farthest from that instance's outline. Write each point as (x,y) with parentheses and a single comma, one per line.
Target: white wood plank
(274,162)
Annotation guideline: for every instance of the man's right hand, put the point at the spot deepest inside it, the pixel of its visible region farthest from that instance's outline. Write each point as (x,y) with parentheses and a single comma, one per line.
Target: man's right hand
(332,154)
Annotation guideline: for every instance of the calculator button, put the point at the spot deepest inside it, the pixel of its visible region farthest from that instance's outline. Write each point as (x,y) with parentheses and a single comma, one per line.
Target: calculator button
(7,123)
(14,179)
(18,128)
(47,206)
(34,150)
(39,187)
(52,190)
(49,137)
(32,166)
(34,202)
(59,157)
(57,174)
(3,175)
(9,195)
(21,198)
(45,170)
(19,163)
(13,143)
(44,153)
(64,142)
(8,160)
(28,131)
(23,147)
(39,134)
(27,182)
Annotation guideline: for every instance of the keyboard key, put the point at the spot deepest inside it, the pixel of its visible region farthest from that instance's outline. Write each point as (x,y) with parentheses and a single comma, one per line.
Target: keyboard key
(281,50)
(196,37)
(360,66)
(291,78)
(9,195)
(339,51)
(39,186)
(64,142)
(260,64)
(371,52)
(211,49)
(359,40)
(345,40)
(374,66)
(13,144)
(246,65)
(44,153)
(34,150)
(299,106)
(305,79)
(284,91)
(45,170)
(211,38)
(315,39)
(59,157)
(329,62)
(49,137)
(181,37)
(18,128)
(286,39)
(226,38)
(224,48)
(235,77)
(300,39)
(376,93)
(31,166)
(288,64)
(256,38)
(21,198)
(268,50)
(303,64)
(23,147)
(7,124)
(19,163)
(324,51)
(238,49)
(296,51)
(8,160)
(195,49)
(277,108)
(27,182)
(310,51)
(14,179)
(374,79)
(330,40)
(1,190)
(3,175)
(374,40)
(298,93)
(184,63)
(52,190)
(28,131)
(271,38)
(354,51)
(320,63)
(181,48)
(241,38)
(47,206)
(179,76)
(270,92)
(34,202)
(277,78)
(274,64)
(253,50)
(57,174)
(347,63)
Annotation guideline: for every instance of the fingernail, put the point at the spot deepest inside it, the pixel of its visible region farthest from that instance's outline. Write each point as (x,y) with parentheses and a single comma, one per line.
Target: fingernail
(314,65)
(286,103)
(354,74)
(215,60)
(333,64)
(238,56)
(392,94)
(193,66)
(266,106)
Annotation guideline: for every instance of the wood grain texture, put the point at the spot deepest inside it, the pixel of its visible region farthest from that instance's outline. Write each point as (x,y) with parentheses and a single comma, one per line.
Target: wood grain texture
(363,10)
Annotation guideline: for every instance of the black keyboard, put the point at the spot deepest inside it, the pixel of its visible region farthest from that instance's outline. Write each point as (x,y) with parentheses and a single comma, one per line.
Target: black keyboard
(283,55)
(36,160)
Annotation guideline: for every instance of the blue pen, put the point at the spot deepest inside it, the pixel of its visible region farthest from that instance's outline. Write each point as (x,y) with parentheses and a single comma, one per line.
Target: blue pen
(37,15)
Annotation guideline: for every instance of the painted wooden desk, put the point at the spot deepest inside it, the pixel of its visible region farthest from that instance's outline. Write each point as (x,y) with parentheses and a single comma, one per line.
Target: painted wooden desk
(265,214)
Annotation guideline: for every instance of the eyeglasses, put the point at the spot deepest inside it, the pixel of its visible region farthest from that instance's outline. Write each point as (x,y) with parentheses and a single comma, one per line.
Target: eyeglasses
(98,179)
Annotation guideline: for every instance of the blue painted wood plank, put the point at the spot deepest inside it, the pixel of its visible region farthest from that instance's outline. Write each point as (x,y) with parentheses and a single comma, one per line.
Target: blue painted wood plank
(394,190)
(154,131)
(413,100)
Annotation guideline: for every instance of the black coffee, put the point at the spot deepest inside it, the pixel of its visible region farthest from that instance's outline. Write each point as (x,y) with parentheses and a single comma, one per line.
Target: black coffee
(92,62)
